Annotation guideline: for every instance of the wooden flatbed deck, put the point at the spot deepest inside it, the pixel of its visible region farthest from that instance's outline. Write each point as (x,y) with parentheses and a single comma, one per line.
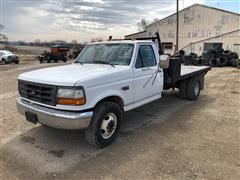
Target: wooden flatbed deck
(187,71)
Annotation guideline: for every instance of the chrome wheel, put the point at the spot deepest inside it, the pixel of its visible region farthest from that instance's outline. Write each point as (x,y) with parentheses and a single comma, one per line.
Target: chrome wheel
(108,125)
(196,88)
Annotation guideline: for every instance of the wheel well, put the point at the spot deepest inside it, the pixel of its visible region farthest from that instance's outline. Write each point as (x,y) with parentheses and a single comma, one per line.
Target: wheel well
(200,77)
(114,99)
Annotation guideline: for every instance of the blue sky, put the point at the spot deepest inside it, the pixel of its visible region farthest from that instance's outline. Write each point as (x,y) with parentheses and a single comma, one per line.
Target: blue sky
(85,19)
(230,5)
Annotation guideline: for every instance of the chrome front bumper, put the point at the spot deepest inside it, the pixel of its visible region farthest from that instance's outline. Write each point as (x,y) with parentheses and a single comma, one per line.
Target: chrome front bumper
(55,118)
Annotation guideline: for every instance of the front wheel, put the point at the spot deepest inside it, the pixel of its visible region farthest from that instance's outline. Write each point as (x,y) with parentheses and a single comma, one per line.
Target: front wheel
(4,61)
(105,124)
(64,59)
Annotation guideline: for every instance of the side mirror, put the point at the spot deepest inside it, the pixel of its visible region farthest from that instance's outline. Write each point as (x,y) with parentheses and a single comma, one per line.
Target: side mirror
(164,61)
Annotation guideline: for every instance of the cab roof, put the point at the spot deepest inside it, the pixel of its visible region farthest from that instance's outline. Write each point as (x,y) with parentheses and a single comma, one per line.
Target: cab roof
(123,42)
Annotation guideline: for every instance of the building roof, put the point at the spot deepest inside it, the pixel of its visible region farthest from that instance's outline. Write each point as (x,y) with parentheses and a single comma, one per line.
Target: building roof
(136,33)
(194,6)
(123,42)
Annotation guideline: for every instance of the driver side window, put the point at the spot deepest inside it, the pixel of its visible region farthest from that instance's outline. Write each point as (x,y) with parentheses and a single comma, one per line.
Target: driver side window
(145,57)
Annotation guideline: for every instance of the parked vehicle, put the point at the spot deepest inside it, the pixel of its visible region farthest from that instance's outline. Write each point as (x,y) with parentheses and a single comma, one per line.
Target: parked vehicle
(57,53)
(106,80)
(7,57)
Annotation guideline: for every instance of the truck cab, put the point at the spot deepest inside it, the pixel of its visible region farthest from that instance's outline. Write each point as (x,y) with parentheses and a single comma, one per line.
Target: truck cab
(106,80)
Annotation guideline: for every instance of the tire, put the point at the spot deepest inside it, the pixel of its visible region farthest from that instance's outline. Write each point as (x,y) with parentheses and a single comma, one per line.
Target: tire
(48,59)
(194,55)
(96,133)
(220,50)
(197,62)
(229,54)
(65,59)
(232,62)
(226,51)
(16,62)
(222,61)
(212,51)
(235,55)
(213,62)
(4,61)
(238,63)
(187,60)
(193,88)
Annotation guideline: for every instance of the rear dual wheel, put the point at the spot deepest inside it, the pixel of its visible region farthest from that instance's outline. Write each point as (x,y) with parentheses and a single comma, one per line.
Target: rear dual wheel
(193,88)
(190,89)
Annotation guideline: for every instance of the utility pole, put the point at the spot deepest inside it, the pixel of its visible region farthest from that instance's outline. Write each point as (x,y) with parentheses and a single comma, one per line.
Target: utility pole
(177,27)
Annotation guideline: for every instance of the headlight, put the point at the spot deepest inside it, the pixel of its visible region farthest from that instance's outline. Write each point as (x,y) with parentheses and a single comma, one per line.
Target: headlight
(73,97)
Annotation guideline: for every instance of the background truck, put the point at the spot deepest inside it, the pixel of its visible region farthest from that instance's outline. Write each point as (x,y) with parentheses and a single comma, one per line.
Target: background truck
(106,79)
(57,53)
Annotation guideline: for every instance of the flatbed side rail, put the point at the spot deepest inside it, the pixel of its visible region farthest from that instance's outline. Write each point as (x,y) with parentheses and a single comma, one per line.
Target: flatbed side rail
(201,71)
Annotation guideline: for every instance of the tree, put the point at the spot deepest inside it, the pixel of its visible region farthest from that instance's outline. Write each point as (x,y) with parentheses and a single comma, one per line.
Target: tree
(74,42)
(97,39)
(58,42)
(37,41)
(3,37)
(142,25)
(155,20)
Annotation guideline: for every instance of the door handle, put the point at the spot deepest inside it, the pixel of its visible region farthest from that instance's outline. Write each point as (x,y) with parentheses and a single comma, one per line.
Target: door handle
(146,69)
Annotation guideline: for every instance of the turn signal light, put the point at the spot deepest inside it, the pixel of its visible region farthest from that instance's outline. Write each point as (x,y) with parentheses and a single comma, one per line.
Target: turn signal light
(73,102)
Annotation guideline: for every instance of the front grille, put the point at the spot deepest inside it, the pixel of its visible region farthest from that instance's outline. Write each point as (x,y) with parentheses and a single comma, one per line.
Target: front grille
(41,93)
(12,57)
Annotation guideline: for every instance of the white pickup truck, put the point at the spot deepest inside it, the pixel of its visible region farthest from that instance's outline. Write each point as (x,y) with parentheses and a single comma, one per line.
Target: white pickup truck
(106,79)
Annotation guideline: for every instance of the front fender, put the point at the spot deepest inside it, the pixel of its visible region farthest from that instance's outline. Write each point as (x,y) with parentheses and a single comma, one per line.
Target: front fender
(4,57)
(102,95)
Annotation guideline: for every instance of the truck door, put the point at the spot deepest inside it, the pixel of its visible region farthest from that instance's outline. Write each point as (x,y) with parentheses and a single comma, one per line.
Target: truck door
(148,81)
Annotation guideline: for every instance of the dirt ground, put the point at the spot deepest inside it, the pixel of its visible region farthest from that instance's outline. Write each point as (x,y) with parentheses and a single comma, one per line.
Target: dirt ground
(178,139)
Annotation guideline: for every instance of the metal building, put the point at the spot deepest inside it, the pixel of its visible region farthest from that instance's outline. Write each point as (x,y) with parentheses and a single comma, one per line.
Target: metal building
(200,28)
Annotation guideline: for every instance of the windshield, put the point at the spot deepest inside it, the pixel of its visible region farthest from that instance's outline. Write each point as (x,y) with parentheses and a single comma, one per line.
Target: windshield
(114,54)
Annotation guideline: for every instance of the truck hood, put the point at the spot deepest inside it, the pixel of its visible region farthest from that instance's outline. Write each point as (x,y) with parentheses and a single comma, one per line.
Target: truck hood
(69,75)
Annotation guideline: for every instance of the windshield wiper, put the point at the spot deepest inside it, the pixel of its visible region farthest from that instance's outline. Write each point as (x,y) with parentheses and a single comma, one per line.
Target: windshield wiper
(104,62)
(78,62)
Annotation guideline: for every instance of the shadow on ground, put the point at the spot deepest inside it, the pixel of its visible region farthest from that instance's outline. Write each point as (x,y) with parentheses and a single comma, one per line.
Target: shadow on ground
(44,150)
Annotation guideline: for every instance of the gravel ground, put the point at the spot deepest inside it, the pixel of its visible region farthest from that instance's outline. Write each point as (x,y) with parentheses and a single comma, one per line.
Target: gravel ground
(199,140)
